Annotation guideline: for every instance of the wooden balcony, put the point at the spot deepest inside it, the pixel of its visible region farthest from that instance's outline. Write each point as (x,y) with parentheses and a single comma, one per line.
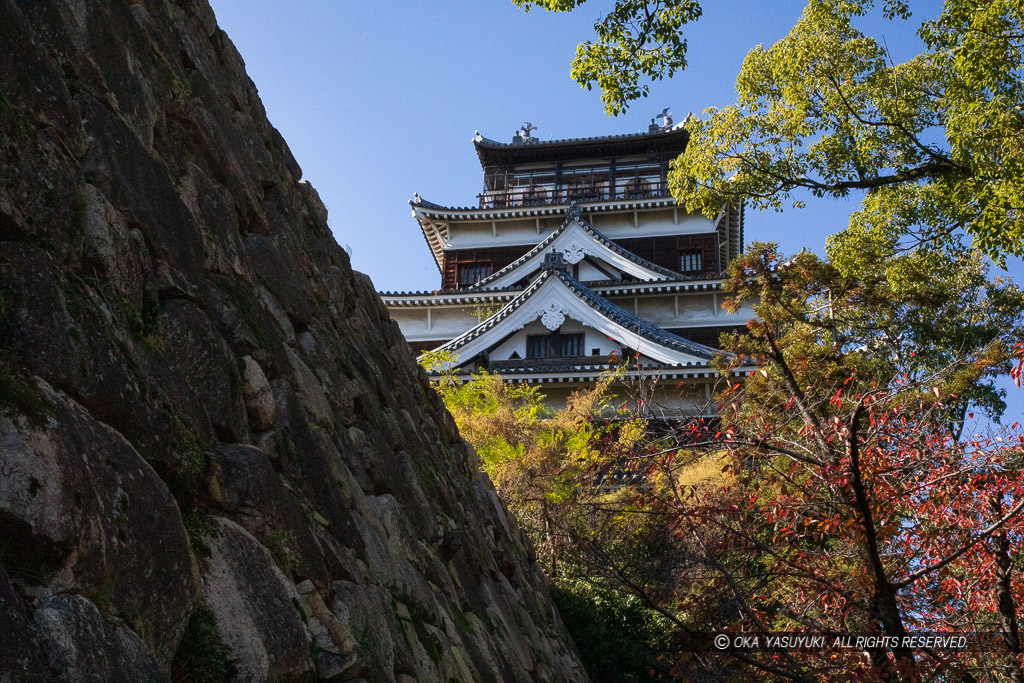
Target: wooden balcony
(571,194)
(552,363)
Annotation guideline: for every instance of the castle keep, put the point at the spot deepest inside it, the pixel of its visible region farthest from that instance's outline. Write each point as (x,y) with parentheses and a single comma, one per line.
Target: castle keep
(575,258)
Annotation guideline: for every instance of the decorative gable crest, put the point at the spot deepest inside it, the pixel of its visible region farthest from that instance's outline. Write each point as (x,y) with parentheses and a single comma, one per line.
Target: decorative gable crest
(574,253)
(552,316)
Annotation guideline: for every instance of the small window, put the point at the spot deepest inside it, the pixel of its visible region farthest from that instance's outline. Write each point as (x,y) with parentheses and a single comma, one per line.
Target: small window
(691,261)
(537,346)
(554,345)
(572,345)
(471,273)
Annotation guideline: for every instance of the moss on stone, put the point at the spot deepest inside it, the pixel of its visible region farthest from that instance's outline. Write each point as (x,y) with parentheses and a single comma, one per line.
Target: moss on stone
(22,122)
(102,596)
(199,528)
(20,396)
(249,308)
(76,235)
(184,483)
(279,543)
(436,650)
(462,621)
(201,656)
(144,322)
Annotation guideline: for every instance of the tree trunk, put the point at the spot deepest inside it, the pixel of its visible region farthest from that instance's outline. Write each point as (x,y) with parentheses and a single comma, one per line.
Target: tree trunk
(1004,597)
(883,600)
(550,538)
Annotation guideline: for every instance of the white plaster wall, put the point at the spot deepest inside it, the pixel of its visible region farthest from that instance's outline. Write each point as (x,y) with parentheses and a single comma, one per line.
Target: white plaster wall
(412,321)
(694,309)
(446,322)
(651,223)
(515,232)
(590,273)
(698,310)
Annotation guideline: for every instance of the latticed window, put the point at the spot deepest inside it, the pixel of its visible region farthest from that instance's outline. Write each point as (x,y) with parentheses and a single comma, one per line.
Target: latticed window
(554,345)
(691,261)
(471,273)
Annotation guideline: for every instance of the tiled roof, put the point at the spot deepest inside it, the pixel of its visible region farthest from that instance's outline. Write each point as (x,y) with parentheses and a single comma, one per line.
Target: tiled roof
(676,277)
(631,322)
(586,367)
(450,293)
(417,200)
(573,214)
(480,141)
(541,209)
(606,308)
(618,286)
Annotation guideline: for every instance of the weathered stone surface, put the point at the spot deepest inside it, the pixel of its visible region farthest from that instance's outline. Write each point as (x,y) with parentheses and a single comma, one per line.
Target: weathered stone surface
(183,345)
(255,606)
(87,514)
(244,485)
(83,646)
(364,611)
(334,651)
(22,657)
(259,399)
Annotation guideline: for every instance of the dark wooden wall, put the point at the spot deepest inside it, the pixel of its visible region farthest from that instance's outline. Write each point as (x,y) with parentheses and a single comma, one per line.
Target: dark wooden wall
(708,336)
(498,257)
(664,251)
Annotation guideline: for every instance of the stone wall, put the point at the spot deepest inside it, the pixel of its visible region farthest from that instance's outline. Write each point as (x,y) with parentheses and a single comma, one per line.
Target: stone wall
(217,456)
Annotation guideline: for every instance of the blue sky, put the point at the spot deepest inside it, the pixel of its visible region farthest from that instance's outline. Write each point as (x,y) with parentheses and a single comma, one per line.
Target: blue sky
(380,99)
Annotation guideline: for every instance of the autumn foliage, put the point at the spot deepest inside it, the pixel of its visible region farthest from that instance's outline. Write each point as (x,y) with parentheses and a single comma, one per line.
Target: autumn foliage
(860,503)
(852,482)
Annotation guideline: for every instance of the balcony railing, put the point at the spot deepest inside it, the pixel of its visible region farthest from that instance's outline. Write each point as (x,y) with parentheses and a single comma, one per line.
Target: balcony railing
(542,364)
(579,194)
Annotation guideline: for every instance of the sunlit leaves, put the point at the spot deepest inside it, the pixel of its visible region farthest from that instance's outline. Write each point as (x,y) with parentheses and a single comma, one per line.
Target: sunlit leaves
(935,142)
(636,42)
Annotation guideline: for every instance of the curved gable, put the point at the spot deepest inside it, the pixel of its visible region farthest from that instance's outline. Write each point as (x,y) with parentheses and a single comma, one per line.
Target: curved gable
(555,296)
(576,239)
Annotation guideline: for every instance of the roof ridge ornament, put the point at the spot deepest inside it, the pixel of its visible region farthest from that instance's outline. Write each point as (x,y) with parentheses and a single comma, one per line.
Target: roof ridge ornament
(574,212)
(523,137)
(666,121)
(554,260)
